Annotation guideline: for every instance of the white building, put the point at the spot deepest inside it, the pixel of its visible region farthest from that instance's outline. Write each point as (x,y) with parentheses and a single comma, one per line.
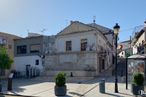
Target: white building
(30,53)
(124,49)
(139,41)
(81,50)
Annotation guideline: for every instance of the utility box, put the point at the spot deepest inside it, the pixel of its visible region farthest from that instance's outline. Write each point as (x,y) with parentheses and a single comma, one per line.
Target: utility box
(102,86)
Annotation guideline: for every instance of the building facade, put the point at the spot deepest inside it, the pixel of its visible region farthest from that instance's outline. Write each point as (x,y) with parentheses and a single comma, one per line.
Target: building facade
(124,49)
(30,53)
(80,50)
(7,41)
(139,41)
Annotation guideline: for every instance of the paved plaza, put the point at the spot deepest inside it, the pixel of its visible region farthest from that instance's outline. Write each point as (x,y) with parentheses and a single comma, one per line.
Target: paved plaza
(42,87)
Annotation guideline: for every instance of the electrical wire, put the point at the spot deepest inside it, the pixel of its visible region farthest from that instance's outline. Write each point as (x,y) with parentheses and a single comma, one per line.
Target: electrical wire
(133,28)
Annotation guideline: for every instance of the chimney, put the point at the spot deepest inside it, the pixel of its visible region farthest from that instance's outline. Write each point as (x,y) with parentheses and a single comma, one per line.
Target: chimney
(71,22)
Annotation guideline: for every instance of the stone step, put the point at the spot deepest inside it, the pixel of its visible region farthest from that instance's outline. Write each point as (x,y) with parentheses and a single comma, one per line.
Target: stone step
(68,79)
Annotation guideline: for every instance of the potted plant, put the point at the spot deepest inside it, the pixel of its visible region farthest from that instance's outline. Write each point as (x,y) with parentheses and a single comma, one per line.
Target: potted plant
(60,87)
(138,83)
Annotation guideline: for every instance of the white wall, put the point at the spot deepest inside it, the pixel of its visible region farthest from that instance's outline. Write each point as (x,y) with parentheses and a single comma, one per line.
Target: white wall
(21,62)
(75,38)
(135,50)
(122,54)
(92,38)
(71,61)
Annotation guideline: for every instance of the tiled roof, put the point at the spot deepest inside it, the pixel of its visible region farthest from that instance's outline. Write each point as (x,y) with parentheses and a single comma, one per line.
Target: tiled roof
(99,27)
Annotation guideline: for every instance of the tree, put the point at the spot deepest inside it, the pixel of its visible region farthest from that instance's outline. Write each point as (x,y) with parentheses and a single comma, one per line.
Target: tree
(5,60)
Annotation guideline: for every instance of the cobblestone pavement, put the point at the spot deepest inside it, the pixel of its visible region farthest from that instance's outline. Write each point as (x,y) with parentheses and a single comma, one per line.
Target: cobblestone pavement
(43,88)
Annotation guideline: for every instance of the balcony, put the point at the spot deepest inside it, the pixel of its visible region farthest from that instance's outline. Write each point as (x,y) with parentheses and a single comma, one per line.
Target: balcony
(140,49)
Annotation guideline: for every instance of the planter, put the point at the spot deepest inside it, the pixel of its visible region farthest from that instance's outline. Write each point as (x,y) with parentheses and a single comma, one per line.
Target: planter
(136,89)
(60,91)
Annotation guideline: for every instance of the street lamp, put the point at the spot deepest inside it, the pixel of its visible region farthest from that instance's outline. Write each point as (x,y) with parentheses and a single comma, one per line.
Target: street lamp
(116,32)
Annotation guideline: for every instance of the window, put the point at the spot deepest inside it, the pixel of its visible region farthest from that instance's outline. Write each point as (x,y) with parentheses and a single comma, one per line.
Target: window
(103,65)
(35,48)
(3,41)
(10,46)
(68,46)
(36,62)
(83,44)
(21,49)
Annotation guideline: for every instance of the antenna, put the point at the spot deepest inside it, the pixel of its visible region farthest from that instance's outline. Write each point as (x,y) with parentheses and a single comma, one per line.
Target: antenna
(94,19)
(43,30)
(27,30)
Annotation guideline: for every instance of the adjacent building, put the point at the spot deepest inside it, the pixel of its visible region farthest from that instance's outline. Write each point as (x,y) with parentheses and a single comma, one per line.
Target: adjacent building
(139,41)
(30,53)
(7,41)
(125,49)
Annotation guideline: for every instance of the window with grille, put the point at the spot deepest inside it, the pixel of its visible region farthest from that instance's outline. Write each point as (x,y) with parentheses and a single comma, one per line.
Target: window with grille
(36,62)
(83,44)
(35,48)
(68,45)
(22,49)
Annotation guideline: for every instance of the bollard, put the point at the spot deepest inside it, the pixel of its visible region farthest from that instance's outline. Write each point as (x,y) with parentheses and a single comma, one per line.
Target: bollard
(9,87)
(102,86)
(9,84)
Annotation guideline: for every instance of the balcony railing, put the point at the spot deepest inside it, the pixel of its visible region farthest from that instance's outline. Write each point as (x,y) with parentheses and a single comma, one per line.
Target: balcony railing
(140,49)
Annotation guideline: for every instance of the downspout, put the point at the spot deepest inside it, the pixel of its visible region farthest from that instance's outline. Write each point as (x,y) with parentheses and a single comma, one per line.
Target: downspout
(97,68)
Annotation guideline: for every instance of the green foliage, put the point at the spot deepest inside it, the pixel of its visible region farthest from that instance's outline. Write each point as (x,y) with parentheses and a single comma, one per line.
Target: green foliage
(138,79)
(128,52)
(60,79)
(5,60)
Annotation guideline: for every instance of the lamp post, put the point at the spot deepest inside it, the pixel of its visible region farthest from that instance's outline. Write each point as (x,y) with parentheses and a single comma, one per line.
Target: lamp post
(116,32)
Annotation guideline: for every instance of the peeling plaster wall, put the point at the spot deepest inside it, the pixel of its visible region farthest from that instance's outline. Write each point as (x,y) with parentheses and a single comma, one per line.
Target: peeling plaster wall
(75,62)
(75,38)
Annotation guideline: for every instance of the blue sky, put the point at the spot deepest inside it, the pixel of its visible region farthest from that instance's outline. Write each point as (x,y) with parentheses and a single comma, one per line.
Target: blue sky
(20,16)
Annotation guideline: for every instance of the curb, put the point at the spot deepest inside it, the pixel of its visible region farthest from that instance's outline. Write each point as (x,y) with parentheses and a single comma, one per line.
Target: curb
(16,95)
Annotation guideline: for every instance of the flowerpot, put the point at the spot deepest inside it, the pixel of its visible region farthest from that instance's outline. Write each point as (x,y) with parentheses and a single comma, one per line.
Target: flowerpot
(60,91)
(136,89)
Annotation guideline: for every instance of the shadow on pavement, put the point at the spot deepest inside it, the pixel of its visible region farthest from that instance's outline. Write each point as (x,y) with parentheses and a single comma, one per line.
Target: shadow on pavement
(109,79)
(65,96)
(114,95)
(13,95)
(17,90)
(77,94)
(125,94)
(23,81)
(14,91)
